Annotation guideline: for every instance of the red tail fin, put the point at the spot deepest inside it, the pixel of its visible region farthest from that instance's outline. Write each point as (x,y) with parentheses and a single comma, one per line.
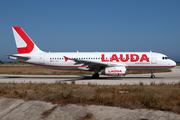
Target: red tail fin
(23,42)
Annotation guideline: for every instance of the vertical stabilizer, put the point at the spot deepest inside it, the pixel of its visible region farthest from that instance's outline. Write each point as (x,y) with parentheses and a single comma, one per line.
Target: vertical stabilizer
(23,42)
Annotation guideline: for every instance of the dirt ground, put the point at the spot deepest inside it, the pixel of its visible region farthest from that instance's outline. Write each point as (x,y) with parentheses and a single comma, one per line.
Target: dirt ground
(36,70)
(24,69)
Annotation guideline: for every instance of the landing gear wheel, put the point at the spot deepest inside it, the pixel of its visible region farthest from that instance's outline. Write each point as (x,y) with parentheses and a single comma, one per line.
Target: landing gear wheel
(152,76)
(95,76)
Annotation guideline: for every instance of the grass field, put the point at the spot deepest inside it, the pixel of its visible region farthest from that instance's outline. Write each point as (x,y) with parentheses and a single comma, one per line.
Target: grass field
(157,97)
(164,97)
(35,70)
(177,64)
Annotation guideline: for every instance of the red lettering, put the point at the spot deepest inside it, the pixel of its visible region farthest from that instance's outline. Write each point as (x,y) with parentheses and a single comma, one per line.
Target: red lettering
(133,58)
(103,59)
(114,57)
(136,57)
(124,60)
(114,71)
(144,57)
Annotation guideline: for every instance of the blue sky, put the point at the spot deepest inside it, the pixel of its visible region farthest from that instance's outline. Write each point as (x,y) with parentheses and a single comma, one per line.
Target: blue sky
(93,25)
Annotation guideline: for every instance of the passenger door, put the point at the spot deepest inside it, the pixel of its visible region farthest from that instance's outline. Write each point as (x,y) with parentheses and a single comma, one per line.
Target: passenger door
(153,59)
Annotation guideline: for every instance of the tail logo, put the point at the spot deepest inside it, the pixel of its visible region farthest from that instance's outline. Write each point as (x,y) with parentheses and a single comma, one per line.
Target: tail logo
(26,39)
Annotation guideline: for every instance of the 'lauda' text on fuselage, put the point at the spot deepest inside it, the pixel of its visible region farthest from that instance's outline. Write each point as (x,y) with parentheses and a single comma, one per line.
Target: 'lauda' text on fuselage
(128,57)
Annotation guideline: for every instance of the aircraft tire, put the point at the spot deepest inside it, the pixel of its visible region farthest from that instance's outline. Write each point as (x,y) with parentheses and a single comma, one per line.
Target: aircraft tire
(95,76)
(152,76)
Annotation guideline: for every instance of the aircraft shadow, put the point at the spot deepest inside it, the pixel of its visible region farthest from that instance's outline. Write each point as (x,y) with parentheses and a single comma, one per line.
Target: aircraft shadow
(44,77)
(112,78)
(78,78)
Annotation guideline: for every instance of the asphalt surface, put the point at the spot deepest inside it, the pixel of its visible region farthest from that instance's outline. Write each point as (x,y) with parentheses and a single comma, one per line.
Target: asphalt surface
(161,78)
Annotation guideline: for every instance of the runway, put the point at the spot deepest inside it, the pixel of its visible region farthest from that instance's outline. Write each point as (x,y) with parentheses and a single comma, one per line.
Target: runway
(161,78)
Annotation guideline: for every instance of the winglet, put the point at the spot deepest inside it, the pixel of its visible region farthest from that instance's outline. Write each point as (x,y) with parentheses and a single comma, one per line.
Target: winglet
(66,58)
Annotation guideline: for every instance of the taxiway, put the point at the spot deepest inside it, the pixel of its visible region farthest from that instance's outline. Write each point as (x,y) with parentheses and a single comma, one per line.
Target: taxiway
(161,78)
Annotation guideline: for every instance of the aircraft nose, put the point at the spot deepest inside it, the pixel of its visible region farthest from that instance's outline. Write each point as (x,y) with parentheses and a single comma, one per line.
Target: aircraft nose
(172,63)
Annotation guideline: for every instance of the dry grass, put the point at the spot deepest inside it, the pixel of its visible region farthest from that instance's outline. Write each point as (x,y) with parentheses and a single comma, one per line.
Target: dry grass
(157,97)
(35,70)
(178,64)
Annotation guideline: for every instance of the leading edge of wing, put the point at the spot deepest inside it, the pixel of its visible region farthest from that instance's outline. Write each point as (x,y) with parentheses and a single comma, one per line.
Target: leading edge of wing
(91,63)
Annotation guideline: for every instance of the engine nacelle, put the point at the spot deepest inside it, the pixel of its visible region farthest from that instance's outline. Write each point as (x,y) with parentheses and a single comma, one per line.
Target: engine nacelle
(114,71)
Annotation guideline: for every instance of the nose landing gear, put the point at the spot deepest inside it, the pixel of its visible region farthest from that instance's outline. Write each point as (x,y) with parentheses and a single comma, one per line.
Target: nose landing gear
(152,75)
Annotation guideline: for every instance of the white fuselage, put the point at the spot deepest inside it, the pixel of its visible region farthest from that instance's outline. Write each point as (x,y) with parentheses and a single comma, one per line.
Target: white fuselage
(131,60)
(109,63)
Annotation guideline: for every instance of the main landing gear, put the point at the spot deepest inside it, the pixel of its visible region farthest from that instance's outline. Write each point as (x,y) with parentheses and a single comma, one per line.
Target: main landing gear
(152,75)
(95,76)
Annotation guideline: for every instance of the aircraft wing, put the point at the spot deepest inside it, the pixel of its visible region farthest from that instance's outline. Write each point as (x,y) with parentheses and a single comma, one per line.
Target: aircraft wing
(16,57)
(92,64)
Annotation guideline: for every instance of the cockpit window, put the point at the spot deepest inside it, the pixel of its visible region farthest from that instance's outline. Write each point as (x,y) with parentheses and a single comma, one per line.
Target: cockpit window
(164,58)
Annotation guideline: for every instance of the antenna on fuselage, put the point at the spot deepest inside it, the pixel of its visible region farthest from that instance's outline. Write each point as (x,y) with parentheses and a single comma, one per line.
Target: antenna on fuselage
(77,51)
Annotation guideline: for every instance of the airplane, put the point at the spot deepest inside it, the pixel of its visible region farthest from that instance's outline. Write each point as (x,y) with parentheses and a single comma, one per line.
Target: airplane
(106,63)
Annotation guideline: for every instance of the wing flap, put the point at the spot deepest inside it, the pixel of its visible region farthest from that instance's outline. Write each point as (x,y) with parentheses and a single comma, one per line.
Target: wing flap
(92,65)
(88,63)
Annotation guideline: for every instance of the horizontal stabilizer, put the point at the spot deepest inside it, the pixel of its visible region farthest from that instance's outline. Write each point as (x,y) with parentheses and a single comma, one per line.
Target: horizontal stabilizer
(16,57)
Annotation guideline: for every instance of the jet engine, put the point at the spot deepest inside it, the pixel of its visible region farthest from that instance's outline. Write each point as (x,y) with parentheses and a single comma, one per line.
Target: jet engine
(118,70)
